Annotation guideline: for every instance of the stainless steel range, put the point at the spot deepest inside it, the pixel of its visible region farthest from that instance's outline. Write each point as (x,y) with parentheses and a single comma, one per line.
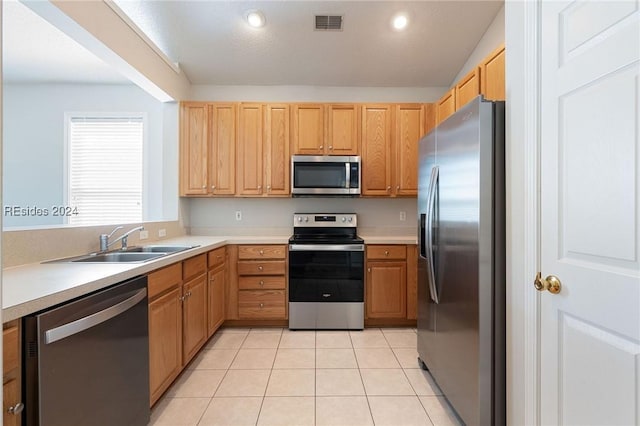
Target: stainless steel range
(326,272)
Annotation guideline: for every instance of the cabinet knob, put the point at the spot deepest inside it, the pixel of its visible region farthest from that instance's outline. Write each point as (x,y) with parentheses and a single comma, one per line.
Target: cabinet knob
(181,298)
(269,188)
(204,186)
(259,186)
(16,409)
(213,187)
(212,279)
(388,189)
(398,188)
(321,147)
(262,305)
(386,252)
(261,282)
(330,146)
(259,268)
(368,269)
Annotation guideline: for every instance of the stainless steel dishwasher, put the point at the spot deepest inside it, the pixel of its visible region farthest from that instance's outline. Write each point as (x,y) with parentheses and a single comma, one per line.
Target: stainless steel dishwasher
(87,361)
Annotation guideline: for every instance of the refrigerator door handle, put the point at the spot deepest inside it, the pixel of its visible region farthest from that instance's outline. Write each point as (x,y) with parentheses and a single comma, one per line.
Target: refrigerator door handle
(433,184)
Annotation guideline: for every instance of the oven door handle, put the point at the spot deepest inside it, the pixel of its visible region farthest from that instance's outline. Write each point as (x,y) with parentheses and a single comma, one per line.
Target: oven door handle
(326,247)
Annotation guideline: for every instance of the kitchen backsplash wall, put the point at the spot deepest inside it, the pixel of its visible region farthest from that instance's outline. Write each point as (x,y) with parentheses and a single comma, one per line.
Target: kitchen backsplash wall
(274,216)
(36,245)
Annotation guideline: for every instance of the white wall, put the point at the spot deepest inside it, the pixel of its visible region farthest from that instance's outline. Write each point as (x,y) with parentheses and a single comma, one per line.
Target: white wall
(492,38)
(315,94)
(33,148)
(274,216)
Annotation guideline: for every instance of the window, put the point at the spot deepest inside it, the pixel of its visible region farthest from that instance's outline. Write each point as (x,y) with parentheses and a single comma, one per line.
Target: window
(105,169)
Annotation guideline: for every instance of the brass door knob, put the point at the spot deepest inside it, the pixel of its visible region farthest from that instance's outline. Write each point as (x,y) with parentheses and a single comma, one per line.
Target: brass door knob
(551,283)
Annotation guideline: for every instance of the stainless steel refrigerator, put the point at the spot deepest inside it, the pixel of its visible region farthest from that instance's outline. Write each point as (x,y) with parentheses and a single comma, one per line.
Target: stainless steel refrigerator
(461,264)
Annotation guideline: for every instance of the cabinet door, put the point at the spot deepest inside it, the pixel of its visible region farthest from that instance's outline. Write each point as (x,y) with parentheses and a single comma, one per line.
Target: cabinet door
(10,397)
(429,117)
(250,149)
(193,148)
(468,88)
(194,317)
(376,149)
(222,155)
(308,129)
(412,282)
(342,130)
(446,106)
(216,306)
(386,290)
(492,73)
(276,149)
(165,342)
(409,128)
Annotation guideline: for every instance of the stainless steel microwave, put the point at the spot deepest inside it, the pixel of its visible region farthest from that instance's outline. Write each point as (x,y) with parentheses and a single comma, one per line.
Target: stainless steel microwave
(325,175)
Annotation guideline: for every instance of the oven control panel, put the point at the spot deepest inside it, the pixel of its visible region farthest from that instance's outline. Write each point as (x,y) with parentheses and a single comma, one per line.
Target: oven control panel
(339,220)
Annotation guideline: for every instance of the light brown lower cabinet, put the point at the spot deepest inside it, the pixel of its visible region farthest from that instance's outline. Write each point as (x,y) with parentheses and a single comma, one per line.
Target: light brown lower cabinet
(216,289)
(165,328)
(12,404)
(194,316)
(390,282)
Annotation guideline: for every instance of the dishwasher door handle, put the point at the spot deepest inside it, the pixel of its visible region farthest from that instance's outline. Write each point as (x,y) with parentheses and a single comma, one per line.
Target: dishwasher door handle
(79,325)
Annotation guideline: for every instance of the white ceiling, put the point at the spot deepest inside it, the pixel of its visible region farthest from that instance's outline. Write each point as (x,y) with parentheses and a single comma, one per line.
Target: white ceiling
(33,50)
(213,44)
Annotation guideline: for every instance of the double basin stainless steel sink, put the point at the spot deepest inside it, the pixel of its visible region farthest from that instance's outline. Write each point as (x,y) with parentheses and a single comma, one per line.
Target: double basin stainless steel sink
(130,255)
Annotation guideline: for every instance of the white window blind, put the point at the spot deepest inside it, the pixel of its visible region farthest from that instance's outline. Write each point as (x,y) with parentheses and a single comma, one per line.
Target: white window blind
(105,169)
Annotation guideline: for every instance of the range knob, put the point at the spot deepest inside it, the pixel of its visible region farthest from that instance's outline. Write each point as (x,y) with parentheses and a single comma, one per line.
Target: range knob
(344,219)
(299,218)
(306,219)
(350,219)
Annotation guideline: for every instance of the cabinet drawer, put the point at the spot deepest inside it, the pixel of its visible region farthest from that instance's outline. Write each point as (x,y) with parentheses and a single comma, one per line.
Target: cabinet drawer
(261,283)
(194,266)
(387,252)
(256,267)
(10,349)
(217,257)
(163,279)
(262,252)
(262,304)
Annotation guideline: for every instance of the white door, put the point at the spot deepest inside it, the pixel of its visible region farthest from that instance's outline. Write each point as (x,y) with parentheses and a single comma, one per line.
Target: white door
(590,211)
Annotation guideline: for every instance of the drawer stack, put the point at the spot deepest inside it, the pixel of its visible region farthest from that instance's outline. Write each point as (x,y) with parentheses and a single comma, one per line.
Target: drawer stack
(262,282)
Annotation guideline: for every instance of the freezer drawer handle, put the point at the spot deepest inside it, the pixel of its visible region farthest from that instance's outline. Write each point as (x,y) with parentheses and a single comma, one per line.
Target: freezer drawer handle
(92,320)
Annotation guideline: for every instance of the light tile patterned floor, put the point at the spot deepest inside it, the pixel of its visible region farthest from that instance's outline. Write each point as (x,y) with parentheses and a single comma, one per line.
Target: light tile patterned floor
(273,376)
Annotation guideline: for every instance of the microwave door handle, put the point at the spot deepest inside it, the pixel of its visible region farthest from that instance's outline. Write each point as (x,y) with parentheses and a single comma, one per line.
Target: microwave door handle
(435,172)
(347,167)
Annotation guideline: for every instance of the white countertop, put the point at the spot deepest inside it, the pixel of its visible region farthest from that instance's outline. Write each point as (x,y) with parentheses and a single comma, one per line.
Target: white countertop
(30,288)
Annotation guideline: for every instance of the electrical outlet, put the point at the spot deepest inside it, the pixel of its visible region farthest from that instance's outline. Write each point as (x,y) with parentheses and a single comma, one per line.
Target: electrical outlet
(144,234)
(162,232)
(403,216)
(238,215)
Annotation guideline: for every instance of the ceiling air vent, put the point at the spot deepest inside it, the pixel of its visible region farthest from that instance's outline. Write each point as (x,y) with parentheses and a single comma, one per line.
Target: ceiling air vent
(329,22)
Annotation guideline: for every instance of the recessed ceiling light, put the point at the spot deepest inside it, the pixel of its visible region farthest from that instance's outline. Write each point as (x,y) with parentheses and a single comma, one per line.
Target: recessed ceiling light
(255,18)
(400,22)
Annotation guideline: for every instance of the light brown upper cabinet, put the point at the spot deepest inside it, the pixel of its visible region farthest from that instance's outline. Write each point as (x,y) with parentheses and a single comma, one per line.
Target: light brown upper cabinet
(222,156)
(492,71)
(276,149)
(429,117)
(376,149)
(409,128)
(308,129)
(250,159)
(193,148)
(207,148)
(468,88)
(446,105)
(342,130)
(325,129)
(263,150)
(390,136)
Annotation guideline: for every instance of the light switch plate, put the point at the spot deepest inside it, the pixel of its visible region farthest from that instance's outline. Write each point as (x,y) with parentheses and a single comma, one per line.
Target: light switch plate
(144,234)
(162,232)
(403,216)
(238,215)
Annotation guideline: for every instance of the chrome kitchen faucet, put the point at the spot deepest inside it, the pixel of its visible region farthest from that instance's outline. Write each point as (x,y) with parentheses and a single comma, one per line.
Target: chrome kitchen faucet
(104,238)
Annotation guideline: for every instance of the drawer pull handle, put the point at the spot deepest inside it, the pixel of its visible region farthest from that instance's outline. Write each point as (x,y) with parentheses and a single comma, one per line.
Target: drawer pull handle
(16,409)
(326,294)
(261,252)
(262,305)
(368,269)
(260,268)
(386,252)
(261,282)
